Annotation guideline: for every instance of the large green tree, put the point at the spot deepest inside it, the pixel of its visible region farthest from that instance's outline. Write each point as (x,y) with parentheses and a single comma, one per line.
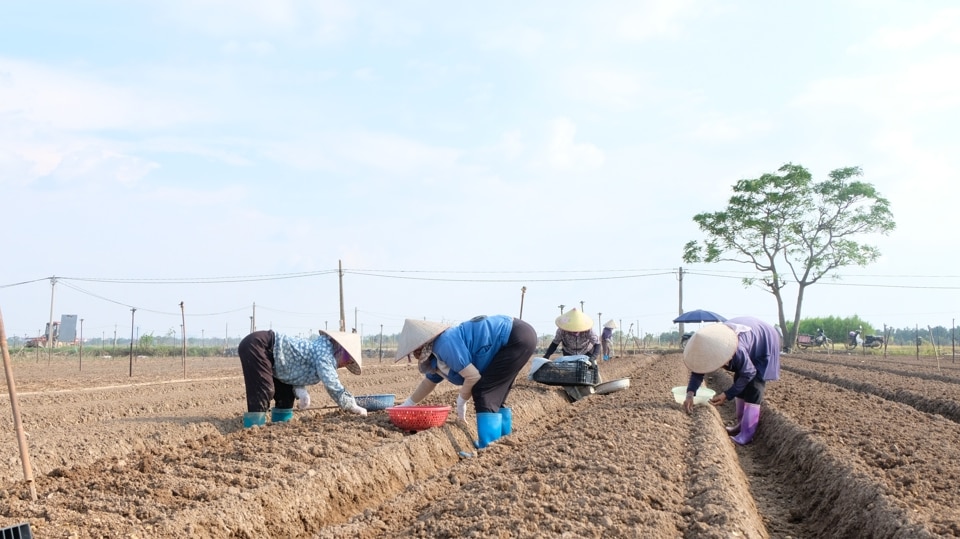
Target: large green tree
(794,230)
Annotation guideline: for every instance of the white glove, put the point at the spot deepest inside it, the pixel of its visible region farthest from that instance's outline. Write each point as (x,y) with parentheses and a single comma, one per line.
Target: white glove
(303,397)
(357,410)
(461,408)
(408,402)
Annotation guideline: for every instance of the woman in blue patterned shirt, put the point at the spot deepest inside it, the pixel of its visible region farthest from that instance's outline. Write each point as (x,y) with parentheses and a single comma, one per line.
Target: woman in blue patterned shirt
(278,367)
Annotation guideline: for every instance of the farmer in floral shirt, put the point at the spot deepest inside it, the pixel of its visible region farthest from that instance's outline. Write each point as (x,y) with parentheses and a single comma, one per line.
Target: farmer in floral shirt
(278,367)
(575,336)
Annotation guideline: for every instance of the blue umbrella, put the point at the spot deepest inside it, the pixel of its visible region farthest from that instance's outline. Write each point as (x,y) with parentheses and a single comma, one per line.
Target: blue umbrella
(699,315)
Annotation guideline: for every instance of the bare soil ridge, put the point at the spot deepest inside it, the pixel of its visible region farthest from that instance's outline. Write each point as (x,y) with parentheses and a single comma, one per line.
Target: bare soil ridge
(843,451)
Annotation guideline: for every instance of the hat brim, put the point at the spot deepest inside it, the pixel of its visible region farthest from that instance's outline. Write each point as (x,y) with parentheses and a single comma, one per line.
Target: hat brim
(575,321)
(710,348)
(416,333)
(350,342)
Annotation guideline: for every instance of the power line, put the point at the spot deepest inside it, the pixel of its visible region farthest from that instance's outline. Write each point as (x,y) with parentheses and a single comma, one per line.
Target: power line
(203,280)
(87,292)
(526,280)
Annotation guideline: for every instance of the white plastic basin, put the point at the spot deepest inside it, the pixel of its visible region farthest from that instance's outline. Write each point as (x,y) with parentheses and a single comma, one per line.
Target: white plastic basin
(703,396)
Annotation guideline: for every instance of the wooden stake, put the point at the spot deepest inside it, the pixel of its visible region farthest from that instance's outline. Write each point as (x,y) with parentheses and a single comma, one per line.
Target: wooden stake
(17,425)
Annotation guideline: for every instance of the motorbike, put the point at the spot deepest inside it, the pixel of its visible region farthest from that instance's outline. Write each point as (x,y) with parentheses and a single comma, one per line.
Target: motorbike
(857,339)
(820,340)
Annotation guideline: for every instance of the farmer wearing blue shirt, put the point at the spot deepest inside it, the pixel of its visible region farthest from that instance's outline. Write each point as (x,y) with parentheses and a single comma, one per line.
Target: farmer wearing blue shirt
(483,356)
(278,367)
(750,349)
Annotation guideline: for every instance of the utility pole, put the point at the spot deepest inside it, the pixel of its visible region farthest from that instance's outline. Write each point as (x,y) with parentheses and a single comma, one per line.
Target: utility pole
(561,308)
(343,318)
(183,339)
(581,305)
(133,312)
(50,343)
(680,308)
(523,292)
(81,344)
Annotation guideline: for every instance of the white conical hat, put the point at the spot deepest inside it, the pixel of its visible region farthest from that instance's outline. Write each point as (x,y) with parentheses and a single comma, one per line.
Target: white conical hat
(610,324)
(416,333)
(574,320)
(350,342)
(710,348)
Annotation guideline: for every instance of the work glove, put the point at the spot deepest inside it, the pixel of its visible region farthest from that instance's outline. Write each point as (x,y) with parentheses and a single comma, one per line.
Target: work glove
(354,409)
(408,402)
(303,398)
(461,408)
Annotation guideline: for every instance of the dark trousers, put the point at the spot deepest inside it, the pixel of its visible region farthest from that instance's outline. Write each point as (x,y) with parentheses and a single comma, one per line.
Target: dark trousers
(490,393)
(753,393)
(256,359)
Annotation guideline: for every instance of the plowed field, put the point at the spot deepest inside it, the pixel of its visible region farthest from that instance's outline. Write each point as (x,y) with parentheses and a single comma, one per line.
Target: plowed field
(848,446)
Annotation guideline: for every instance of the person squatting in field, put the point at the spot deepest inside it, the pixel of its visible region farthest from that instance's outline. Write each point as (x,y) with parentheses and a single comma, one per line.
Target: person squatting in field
(575,336)
(482,355)
(747,347)
(278,367)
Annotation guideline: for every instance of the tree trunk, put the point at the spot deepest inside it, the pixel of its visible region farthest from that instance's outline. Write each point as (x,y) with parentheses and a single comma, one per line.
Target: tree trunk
(796,313)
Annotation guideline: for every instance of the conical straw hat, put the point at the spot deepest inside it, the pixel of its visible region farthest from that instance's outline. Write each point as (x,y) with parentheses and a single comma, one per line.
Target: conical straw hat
(350,342)
(416,333)
(610,324)
(710,348)
(574,320)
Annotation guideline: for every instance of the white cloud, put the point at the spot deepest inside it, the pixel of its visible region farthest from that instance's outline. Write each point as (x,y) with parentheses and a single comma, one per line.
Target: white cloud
(729,127)
(563,152)
(944,24)
(612,88)
(379,151)
(63,99)
(518,39)
(512,144)
(919,87)
(258,49)
(290,20)
(178,197)
(365,74)
(66,160)
(655,19)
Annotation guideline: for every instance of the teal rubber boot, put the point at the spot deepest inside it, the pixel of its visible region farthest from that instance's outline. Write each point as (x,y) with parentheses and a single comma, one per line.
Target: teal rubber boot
(254,419)
(489,428)
(506,421)
(281,415)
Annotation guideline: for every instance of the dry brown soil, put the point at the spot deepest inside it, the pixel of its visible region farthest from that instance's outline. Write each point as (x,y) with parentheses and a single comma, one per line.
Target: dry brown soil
(848,446)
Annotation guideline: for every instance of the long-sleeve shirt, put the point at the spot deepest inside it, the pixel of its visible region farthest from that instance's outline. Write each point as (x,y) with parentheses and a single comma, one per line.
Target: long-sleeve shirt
(475,342)
(757,354)
(303,362)
(576,343)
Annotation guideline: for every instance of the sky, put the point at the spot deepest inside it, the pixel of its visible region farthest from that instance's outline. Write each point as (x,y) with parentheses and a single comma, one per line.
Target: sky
(455,159)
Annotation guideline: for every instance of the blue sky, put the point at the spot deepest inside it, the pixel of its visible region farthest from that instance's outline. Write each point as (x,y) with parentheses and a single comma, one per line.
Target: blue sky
(449,154)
